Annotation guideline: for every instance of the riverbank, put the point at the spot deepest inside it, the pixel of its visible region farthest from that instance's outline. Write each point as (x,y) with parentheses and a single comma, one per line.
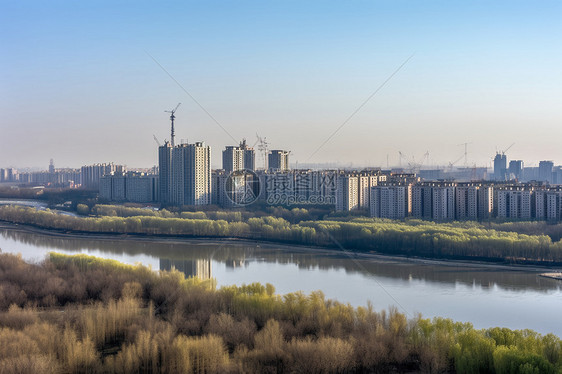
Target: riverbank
(126,318)
(458,241)
(337,253)
(460,291)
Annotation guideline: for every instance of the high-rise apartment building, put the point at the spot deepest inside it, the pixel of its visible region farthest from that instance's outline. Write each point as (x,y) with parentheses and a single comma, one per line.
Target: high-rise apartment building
(164,172)
(515,170)
(539,200)
(185,174)
(446,201)
(557,175)
(485,202)
(191,174)
(218,178)
(236,158)
(9,175)
(500,167)
(389,202)
(278,160)
(249,159)
(514,204)
(554,206)
(473,202)
(443,203)
(118,188)
(466,204)
(422,201)
(91,174)
(199,175)
(232,159)
(249,156)
(365,182)
(545,171)
(547,205)
(347,193)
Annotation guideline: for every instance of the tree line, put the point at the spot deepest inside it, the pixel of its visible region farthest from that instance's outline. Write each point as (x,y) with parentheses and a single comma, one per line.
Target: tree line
(293,215)
(458,240)
(85,314)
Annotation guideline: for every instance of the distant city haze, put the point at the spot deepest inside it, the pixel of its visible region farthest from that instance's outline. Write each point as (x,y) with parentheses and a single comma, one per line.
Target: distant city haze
(77,83)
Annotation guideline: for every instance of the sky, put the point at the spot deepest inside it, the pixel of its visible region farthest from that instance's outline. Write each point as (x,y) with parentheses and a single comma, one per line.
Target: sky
(78,83)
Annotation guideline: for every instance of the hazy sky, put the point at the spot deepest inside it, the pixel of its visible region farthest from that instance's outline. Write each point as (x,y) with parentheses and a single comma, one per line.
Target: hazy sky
(77,84)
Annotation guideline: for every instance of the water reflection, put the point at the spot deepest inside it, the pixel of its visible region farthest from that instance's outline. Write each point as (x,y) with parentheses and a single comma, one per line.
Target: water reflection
(200,268)
(485,295)
(195,257)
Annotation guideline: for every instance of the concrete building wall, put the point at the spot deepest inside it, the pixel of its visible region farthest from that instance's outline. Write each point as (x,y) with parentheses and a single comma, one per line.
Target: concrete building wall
(118,188)
(443,203)
(422,201)
(485,202)
(525,205)
(191,175)
(232,159)
(141,189)
(388,202)
(552,203)
(347,193)
(249,159)
(278,160)
(540,205)
(164,172)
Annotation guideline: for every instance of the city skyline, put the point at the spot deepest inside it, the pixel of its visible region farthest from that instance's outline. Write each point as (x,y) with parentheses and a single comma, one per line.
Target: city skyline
(79,85)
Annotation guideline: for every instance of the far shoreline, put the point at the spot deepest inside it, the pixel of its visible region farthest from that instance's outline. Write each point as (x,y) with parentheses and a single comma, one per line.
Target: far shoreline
(348,253)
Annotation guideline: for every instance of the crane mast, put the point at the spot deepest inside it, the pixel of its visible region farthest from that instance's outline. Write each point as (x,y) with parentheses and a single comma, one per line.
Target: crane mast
(172,118)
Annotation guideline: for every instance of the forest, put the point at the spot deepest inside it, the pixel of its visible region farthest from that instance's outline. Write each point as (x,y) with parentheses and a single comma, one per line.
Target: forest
(454,240)
(85,314)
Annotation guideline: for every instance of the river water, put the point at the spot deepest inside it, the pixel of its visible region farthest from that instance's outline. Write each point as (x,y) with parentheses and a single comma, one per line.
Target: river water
(484,295)
(37,204)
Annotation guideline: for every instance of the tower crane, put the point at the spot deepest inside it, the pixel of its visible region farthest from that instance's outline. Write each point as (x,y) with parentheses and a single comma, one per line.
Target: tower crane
(172,117)
(263,148)
(413,166)
(416,166)
(451,164)
(504,151)
(508,148)
(400,158)
(465,152)
(156,140)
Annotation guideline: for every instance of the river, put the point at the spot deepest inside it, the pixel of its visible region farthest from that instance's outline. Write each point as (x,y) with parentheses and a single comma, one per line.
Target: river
(37,204)
(485,295)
